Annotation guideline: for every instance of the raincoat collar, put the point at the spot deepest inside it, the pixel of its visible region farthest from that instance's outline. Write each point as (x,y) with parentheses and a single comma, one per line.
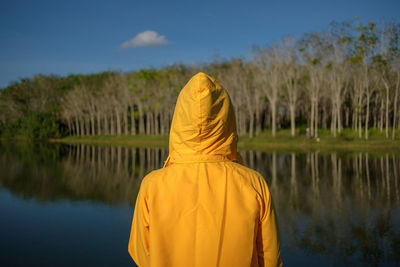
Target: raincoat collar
(203,127)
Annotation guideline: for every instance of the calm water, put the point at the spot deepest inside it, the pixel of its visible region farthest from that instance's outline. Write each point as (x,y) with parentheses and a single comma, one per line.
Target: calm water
(72,205)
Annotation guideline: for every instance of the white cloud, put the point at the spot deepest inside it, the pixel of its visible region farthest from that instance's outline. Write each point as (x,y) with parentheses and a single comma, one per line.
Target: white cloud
(146,38)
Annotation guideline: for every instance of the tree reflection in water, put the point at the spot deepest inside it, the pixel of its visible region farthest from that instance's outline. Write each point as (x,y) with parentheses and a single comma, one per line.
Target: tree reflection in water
(77,172)
(337,205)
(341,208)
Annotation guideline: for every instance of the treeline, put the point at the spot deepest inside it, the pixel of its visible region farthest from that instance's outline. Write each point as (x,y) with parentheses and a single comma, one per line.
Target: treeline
(347,76)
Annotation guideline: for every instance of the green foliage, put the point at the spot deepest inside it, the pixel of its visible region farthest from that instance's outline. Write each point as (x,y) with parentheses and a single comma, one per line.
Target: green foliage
(33,126)
(348,134)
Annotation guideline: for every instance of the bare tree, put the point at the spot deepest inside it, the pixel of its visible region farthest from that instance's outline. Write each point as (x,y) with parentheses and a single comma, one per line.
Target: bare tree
(338,73)
(269,78)
(291,74)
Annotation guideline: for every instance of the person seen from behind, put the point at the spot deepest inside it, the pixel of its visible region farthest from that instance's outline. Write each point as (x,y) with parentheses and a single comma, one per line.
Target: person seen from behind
(204,208)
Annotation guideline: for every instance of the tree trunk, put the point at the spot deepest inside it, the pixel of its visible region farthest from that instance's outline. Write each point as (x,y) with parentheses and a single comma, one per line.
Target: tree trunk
(339,117)
(258,120)
(112,128)
(152,122)
(81,126)
(156,123)
(106,128)
(148,124)
(239,123)
(251,125)
(125,120)
(141,119)
(92,124)
(273,114)
(333,120)
(244,123)
(359,109)
(367,118)
(76,126)
(359,124)
(387,112)
(69,126)
(84,126)
(381,119)
(324,117)
(312,118)
(162,122)
(133,123)
(354,120)
(316,119)
(169,120)
(118,117)
(292,119)
(73,129)
(394,112)
(87,126)
(267,119)
(98,123)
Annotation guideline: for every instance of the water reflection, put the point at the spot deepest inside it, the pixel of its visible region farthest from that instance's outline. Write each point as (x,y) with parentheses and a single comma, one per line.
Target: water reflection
(339,206)
(77,172)
(333,208)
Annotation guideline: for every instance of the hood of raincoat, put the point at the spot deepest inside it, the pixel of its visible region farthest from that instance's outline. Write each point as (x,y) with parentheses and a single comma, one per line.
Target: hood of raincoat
(203,128)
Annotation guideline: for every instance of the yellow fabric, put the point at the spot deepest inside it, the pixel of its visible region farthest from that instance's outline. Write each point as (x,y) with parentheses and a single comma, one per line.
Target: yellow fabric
(203,208)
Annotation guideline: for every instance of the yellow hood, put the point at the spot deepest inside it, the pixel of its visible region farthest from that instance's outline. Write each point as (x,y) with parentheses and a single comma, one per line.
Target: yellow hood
(203,128)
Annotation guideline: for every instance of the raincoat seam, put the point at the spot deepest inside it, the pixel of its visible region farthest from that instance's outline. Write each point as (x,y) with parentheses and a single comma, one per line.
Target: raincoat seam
(223,220)
(201,123)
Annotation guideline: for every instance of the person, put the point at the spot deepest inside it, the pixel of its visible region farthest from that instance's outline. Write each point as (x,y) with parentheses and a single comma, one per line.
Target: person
(204,208)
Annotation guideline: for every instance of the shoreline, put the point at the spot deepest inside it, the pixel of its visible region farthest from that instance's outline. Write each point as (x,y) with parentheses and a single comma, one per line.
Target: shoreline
(260,143)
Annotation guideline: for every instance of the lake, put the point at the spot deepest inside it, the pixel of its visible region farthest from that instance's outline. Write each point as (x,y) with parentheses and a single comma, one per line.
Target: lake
(72,205)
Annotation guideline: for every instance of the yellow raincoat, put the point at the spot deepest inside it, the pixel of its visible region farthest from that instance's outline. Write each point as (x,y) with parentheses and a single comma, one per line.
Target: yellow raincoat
(203,208)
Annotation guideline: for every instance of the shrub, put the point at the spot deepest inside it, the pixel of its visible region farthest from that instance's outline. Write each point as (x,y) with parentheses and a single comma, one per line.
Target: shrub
(33,126)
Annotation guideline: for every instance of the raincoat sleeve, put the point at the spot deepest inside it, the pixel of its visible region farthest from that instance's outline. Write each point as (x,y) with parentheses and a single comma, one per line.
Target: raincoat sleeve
(268,243)
(139,239)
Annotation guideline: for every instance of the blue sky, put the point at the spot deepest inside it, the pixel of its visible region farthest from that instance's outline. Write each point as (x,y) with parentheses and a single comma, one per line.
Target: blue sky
(62,37)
